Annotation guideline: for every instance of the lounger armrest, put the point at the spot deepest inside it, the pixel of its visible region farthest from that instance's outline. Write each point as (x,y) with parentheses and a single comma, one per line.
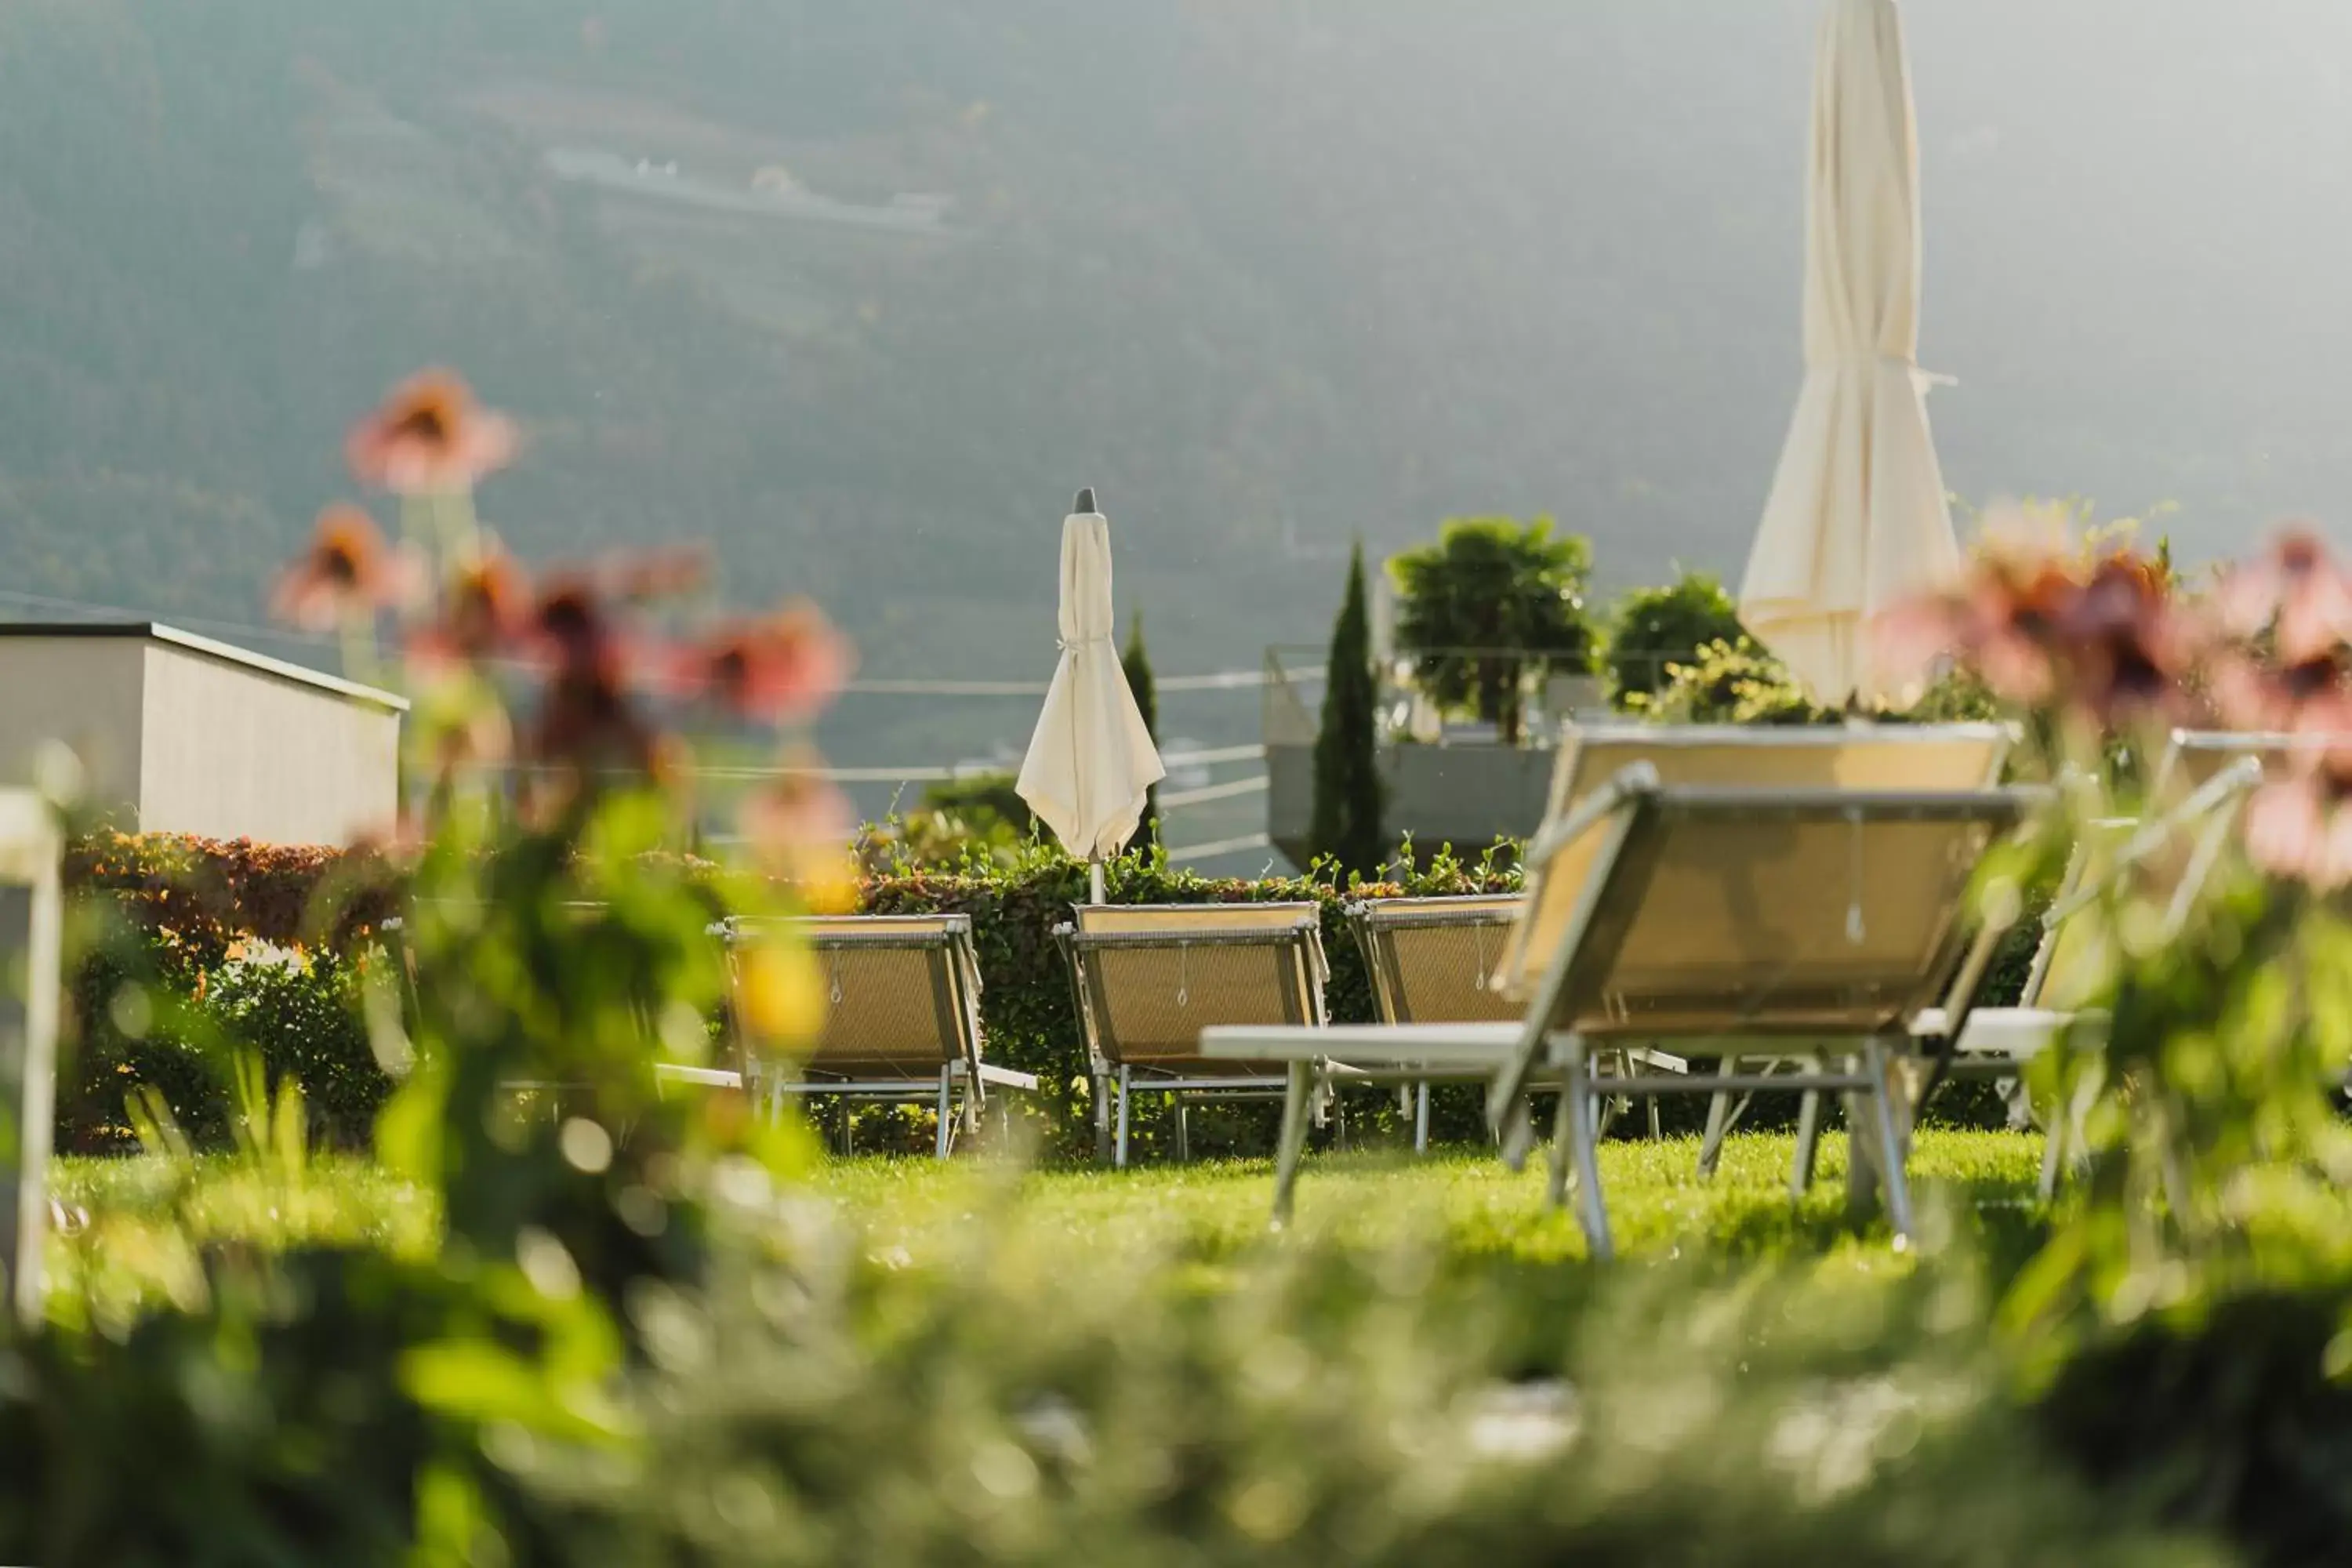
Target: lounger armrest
(1241,936)
(1006,1077)
(712,1078)
(1439,1046)
(1377,1045)
(2014,1032)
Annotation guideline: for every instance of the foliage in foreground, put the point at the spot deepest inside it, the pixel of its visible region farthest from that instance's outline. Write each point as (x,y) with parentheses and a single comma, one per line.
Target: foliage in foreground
(894,1362)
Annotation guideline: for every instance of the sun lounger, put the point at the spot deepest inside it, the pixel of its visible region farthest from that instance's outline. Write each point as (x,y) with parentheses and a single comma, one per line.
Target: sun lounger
(1149,978)
(1810,926)
(1882,757)
(1807,925)
(1849,756)
(1436,960)
(2172,856)
(901,1022)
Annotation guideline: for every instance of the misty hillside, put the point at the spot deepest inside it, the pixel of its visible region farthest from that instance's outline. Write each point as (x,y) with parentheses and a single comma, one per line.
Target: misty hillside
(863,291)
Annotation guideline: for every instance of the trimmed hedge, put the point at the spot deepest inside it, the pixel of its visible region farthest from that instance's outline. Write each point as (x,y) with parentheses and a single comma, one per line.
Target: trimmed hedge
(221,945)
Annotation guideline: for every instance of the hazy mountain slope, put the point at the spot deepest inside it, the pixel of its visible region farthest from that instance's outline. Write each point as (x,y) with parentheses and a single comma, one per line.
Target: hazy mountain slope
(862,292)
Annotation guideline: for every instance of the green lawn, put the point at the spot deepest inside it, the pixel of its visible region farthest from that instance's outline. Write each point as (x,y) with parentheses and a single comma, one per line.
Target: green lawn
(148,1217)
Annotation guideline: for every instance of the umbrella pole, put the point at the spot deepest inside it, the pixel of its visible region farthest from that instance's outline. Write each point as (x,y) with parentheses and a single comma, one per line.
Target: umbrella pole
(1094,880)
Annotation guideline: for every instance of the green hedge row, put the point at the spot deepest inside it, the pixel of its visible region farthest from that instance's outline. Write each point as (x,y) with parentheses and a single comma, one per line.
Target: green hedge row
(216,947)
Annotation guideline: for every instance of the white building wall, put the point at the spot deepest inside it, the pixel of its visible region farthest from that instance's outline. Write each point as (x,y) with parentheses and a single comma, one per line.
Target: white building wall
(84,691)
(231,751)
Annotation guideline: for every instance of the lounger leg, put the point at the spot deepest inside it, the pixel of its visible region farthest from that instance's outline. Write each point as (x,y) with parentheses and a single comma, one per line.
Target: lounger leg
(2053,1150)
(1578,1125)
(1125,1081)
(1102,1116)
(1718,1122)
(1421,1118)
(947,1113)
(1888,1118)
(1809,1143)
(1518,1133)
(1298,1101)
(1555,1158)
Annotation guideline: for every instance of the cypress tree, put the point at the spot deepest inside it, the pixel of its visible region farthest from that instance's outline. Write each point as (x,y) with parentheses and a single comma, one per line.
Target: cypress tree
(1137,663)
(1346,823)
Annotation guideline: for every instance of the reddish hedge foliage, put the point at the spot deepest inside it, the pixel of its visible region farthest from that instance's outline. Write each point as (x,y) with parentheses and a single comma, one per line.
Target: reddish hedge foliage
(208,894)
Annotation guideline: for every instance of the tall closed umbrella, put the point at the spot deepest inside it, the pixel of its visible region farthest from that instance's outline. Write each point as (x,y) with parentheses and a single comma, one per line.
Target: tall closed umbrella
(1091,763)
(1858,519)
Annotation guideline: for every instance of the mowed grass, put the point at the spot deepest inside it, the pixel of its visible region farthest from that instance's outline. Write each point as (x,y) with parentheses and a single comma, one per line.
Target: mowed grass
(1465,1201)
(148,1220)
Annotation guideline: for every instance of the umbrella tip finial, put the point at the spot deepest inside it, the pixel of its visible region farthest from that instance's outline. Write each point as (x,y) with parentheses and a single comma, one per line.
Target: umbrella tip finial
(1085,501)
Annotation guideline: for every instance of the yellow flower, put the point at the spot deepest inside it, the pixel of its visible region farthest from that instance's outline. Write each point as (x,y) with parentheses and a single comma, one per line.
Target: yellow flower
(781,994)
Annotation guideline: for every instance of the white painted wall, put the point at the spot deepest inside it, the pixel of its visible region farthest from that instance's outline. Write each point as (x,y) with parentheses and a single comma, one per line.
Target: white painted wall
(84,691)
(231,751)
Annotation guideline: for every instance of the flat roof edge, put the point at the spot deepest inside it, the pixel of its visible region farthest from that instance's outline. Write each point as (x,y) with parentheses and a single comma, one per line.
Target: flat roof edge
(229,653)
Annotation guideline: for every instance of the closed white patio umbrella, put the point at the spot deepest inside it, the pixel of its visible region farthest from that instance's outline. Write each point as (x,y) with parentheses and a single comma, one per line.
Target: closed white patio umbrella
(1091,763)
(1858,519)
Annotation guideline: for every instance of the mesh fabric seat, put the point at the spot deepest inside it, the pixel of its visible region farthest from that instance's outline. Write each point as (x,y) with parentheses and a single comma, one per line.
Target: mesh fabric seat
(1149,978)
(1436,960)
(901,1020)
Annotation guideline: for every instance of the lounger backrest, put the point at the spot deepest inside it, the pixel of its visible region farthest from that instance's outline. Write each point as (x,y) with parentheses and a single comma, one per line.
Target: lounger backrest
(1862,757)
(1433,961)
(2196,757)
(2074,957)
(1768,913)
(2166,862)
(1151,977)
(902,992)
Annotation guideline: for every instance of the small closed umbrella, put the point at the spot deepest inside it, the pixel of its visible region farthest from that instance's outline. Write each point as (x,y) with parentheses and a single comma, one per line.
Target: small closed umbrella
(1091,764)
(1858,519)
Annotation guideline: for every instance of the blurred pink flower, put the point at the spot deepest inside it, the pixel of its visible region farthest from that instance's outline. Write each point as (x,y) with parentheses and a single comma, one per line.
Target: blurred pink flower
(429,437)
(485,611)
(799,827)
(782,668)
(347,573)
(2104,638)
(644,576)
(2296,592)
(2298,828)
(2291,613)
